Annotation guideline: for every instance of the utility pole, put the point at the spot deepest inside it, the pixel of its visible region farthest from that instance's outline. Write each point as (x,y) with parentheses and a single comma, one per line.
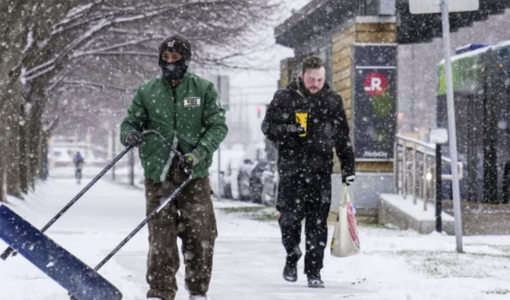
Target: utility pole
(451,124)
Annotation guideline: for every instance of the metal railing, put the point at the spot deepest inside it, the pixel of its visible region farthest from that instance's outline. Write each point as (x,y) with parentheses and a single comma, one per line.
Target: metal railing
(415,170)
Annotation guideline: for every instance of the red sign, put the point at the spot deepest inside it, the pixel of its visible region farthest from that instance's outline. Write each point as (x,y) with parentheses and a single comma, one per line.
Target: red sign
(376,84)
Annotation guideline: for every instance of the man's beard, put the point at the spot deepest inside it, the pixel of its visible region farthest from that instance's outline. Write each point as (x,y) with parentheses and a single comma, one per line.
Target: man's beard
(315,93)
(307,91)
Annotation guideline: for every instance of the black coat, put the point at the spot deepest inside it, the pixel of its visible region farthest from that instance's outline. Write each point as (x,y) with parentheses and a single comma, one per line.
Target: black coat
(327,129)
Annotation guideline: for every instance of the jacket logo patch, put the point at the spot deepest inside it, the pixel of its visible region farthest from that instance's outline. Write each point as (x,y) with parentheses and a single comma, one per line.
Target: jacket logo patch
(192,102)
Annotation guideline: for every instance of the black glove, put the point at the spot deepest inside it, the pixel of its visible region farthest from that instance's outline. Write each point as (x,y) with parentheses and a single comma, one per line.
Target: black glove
(134,139)
(348,180)
(295,129)
(190,160)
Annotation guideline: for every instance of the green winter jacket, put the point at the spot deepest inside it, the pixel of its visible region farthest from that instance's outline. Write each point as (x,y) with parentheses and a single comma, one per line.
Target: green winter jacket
(190,116)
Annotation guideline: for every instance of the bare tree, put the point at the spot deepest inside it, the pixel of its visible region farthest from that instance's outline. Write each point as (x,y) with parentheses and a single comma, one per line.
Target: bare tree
(71,60)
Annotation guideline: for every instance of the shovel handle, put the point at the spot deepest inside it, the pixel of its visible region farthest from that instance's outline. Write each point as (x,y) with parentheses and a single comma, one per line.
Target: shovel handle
(165,141)
(144,222)
(169,145)
(10,251)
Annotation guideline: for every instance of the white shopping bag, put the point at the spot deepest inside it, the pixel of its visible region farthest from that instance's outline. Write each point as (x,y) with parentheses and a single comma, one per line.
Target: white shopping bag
(345,240)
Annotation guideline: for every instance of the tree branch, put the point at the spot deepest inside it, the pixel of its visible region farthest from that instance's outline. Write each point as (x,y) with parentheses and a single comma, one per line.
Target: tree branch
(82,83)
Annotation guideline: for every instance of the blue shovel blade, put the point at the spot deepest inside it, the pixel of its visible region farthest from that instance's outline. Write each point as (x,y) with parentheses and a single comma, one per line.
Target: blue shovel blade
(64,268)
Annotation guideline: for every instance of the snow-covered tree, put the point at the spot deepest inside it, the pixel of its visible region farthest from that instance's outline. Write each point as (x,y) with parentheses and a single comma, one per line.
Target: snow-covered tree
(70,60)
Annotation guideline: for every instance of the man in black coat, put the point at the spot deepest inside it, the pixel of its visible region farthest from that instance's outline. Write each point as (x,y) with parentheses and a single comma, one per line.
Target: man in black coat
(306,121)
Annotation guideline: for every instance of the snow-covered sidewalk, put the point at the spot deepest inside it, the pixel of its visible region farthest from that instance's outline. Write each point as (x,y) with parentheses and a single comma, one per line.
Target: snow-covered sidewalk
(249,257)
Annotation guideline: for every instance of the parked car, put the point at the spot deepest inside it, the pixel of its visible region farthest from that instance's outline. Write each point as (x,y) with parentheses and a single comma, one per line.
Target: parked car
(248,175)
(249,178)
(231,159)
(231,172)
(270,179)
(243,180)
(256,183)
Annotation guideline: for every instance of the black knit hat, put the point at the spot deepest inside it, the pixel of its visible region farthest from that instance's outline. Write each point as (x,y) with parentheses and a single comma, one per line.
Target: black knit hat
(176,43)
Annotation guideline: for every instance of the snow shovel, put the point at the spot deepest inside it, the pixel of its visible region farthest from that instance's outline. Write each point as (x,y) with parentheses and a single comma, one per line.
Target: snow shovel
(82,282)
(56,262)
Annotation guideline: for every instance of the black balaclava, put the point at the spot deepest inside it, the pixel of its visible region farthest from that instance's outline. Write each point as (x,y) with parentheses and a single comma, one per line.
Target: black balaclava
(175,70)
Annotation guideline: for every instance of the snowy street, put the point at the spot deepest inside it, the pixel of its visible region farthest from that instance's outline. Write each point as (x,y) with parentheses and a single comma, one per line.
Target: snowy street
(402,106)
(249,257)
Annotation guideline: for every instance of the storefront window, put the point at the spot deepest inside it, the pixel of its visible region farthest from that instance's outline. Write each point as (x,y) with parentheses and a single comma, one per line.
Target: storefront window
(367,7)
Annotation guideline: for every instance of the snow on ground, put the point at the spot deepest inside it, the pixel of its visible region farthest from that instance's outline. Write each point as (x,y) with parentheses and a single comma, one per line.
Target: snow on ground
(249,257)
(122,174)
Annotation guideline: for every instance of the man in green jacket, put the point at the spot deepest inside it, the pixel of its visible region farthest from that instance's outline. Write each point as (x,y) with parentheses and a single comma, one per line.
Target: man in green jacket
(185,109)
